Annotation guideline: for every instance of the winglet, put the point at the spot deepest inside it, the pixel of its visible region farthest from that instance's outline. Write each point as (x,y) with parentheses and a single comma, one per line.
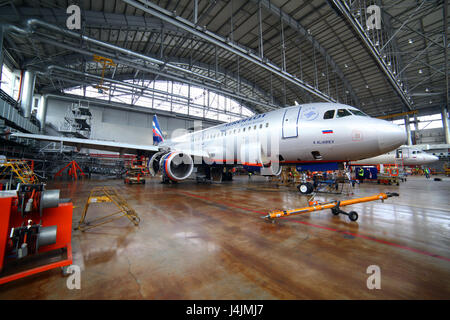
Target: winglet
(157,134)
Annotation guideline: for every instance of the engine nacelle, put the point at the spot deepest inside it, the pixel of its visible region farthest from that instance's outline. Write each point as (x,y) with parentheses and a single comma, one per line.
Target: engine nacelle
(176,166)
(272,170)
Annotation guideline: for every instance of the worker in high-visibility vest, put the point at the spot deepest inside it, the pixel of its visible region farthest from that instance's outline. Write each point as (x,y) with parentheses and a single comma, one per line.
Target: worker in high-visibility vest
(427,173)
(361,175)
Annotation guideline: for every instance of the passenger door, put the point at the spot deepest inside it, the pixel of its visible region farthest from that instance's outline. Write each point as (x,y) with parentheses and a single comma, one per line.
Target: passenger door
(290,122)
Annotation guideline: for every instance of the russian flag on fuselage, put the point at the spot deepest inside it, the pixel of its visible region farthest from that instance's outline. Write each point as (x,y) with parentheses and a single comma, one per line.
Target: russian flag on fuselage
(157,134)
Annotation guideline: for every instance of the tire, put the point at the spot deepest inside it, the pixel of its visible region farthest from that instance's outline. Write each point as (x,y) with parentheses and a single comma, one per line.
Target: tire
(353,216)
(305,188)
(334,212)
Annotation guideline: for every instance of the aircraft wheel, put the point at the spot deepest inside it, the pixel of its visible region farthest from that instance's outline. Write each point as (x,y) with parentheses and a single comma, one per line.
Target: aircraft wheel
(305,188)
(334,211)
(353,215)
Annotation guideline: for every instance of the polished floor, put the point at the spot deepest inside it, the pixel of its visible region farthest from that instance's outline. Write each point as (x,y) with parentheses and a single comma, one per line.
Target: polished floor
(200,241)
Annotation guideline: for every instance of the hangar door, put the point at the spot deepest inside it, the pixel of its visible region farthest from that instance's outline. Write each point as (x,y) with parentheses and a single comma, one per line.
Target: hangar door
(290,122)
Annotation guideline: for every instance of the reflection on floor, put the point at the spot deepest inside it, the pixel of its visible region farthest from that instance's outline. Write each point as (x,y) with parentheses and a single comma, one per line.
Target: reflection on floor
(200,241)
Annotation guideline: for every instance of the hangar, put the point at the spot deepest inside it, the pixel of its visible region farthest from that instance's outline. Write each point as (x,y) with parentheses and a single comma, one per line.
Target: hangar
(224,149)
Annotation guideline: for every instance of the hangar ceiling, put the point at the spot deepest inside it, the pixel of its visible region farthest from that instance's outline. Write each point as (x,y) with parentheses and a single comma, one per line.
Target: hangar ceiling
(265,54)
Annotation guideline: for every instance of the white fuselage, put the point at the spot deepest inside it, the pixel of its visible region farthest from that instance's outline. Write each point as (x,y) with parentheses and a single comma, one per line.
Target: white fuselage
(316,132)
(405,155)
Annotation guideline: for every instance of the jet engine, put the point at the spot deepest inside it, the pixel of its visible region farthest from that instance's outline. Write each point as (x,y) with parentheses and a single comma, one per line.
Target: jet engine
(176,166)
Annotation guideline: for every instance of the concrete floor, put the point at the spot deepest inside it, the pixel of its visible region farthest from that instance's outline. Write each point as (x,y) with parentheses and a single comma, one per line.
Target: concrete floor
(200,241)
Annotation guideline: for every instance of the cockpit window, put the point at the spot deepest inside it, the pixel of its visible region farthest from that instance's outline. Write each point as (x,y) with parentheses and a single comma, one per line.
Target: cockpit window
(343,113)
(329,114)
(358,112)
(413,152)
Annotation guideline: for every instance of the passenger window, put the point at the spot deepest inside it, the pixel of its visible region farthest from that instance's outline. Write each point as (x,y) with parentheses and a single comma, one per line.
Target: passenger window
(343,113)
(413,152)
(254,128)
(329,114)
(249,128)
(267,125)
(260,126)
(243,130)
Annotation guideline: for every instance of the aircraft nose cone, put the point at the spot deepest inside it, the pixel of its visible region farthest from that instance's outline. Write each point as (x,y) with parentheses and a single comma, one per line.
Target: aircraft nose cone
(390,137)
(430,158)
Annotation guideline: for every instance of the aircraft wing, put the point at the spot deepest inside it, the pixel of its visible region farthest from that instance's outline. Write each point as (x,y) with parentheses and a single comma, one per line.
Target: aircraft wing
(113,146)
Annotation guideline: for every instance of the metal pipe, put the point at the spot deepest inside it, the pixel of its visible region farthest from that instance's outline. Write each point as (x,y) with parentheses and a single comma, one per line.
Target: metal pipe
(444,115)
(42,111)
(125,61)
(447,89)
(408,131)
(33,23)
(184,24)
(50,68)
(28,90)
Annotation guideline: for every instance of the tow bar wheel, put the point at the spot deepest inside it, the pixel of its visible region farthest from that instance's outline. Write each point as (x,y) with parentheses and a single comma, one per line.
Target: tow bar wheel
(353,215)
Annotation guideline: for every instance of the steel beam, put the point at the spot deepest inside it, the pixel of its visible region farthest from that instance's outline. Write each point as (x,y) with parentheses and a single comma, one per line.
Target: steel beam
(221,42)
(295,25)
(345,10)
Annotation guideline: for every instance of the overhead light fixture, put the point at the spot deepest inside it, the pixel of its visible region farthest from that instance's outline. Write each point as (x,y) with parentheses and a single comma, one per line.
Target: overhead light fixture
(427,90)
(420,71)
(410,41)
(345,65)
(431,101)
(367,86)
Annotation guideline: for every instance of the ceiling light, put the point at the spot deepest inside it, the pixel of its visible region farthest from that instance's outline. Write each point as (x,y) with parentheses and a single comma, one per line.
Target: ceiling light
(420,71)
(410,41)
(427,90)
(345,65)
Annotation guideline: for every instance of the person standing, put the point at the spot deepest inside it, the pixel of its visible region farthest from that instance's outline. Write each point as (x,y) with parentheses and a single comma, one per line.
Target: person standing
(427,173)
(361,175)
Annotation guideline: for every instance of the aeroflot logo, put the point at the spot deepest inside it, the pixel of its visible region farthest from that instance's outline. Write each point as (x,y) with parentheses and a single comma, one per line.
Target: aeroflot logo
(374,19)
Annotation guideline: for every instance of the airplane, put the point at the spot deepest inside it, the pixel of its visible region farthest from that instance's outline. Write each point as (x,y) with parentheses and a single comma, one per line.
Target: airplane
(326,133)
(405,155)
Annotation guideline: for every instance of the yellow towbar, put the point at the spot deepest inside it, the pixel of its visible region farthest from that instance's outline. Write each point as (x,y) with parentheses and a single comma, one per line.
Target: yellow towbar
(334,205)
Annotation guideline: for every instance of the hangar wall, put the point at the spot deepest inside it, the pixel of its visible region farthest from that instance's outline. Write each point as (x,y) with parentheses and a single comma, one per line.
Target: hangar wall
(119,125)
